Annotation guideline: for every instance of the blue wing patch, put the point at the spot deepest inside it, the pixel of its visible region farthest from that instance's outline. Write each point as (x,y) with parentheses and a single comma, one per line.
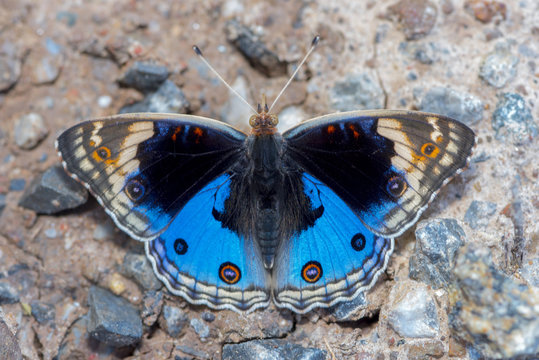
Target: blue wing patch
(331,261)
(206,263)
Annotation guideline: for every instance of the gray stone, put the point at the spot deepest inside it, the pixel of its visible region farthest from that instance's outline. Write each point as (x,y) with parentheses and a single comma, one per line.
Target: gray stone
(512,120)
(530,271)
(10,71)
(53,191)
(271,349)
(425,53)
(139,269)
(46,63)
(201,328)
(8,294)
(457,105)
(357,91)
(173,320)
(437,242)
(208,316)
(112,319)
(478,214)
(167,99)
(499,66)
(412,311)
(417,18)
(3,202)
(144,76)
(255,51)
(43,313)
(9,346)
(198,354)
(29,130)
(290,116)
(496,314)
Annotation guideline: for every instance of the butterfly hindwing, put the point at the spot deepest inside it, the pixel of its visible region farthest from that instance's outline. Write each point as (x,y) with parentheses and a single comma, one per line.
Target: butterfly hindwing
(143,168)
(206,263)
(387,165)
(331,260)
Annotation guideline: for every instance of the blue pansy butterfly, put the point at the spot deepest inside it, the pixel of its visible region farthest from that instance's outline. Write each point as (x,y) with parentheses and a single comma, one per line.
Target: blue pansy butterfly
(232,220)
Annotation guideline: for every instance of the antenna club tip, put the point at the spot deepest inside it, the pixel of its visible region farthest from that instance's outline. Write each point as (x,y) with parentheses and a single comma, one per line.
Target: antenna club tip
(316,40)
(197,50)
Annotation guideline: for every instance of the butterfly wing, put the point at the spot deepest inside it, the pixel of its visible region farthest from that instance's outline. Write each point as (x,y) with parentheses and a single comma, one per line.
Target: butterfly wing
(206,263)
(143,168)
(332,260)
(387,165)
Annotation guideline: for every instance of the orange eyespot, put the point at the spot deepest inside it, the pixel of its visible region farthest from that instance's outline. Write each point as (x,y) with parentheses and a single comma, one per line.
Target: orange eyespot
(229,273)
(331,129)
(430,150)
(176,132)
(312,272)
(354,131)
(102,153)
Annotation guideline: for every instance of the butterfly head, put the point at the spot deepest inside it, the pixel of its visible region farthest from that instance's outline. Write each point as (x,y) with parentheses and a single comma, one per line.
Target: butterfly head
(263,122)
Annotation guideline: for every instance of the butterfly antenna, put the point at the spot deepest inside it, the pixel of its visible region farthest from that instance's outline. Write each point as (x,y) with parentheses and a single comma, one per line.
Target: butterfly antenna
(315,42)
(197,51)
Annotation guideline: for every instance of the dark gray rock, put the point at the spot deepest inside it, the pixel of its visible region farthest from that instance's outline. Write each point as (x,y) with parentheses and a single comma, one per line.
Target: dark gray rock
(173,320)
(254,50)
(512,120)
(152,304)
(29,130)
(112,319)
(9,346)
(478,214)
(271,349)
(167,99)
(139,269)
(53,191)
(357,91)
(457,105)
(208,316)
(500,66)
(3,202)
(43,313)
(144,76)
(495,314)
(437,242)
(413,311)
(8,294)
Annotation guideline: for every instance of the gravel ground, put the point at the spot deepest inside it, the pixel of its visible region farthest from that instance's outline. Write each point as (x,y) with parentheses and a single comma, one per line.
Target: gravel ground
(462,284)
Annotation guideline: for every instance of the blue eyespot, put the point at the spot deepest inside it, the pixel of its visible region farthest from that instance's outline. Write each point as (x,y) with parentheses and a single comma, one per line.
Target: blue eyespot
(134,189)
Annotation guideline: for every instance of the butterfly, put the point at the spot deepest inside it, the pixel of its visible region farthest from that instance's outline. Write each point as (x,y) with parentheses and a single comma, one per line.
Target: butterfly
(232,220)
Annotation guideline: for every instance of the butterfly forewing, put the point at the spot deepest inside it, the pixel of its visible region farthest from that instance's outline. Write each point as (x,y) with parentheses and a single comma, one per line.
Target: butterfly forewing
(386,165)
(143,168)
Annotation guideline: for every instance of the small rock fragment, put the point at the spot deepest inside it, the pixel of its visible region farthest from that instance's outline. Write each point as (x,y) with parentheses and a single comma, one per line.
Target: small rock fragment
(9,345)
(53,191)
(152,304)
(494,313)
(513,119)
(17,184)
(201,328)
(417,17)
(499,67)
(145,76)
(173,320)
(2,202)
(412,311)
(486,10)
(357,91)
(167,99)
(271,349)
(8,294)
(46,63)
(112,319)
(139,269)
(437,242)
(478,214)
(10,71)
(426,350)
(256,52)
(42,312)
(29,130)
(457,105)
(344,310)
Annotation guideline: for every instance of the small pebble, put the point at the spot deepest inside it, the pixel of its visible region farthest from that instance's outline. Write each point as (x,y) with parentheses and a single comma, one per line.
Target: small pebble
(500,66)
(512,120)
(173,320)
(200,328)
(271,349)
(356,92)
(461,106)
(104,101)
(17,184)
(478,214)
(29,131)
